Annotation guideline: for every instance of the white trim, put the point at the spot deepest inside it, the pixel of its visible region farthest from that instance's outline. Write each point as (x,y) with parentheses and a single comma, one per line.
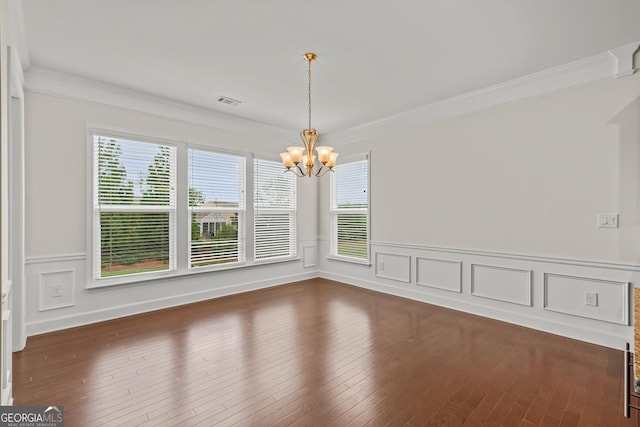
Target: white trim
(333,213)
(528,308)
(404,276)
(476,293)
(609,65)
(458,289)
(624,59)
(624,320)
(309,260)
(535,258)
(18,33)
(154,276)
(79,319)
(6,291)
(349,259)
(42,304)
(605,66)
(49,82)
(55,258)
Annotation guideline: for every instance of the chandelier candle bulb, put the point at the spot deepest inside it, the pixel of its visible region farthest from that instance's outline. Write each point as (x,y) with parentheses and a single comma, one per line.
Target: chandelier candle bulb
(307,162)
(295,154)
(286,160)
(324,153)
(333,157)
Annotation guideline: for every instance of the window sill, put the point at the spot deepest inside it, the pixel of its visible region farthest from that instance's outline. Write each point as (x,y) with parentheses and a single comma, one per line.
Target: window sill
(165,275)
(364,262)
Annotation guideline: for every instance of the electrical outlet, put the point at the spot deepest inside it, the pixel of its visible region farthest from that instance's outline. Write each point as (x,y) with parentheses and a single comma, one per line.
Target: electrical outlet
(56,291)
(591,299)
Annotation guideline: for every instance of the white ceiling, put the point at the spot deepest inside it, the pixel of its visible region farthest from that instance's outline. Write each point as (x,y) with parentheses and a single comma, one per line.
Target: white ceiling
(376,58)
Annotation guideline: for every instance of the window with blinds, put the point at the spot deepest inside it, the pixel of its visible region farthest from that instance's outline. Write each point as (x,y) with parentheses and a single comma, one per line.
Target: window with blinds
(274,211)
(134,206)
(216,208)
(349,210)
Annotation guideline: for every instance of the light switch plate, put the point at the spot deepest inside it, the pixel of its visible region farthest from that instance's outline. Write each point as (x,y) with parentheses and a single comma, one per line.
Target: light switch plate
(608,220)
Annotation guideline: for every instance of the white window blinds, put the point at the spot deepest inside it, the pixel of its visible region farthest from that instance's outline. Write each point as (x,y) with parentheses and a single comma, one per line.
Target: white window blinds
(134,206)
(274,211)
(349,208)
(217,207)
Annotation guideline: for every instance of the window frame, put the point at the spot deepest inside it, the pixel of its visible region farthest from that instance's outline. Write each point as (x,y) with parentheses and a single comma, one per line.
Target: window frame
(333,212)
(293,246)
(182,224)
(93,224)
(241,211)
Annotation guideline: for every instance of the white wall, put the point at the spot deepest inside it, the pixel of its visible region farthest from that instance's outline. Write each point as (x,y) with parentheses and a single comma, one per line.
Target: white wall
(518,188)
(56,205)
(527,178)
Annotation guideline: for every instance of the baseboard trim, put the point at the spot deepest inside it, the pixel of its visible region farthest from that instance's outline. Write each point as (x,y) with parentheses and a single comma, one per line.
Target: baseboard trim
(86,318)
(545,325)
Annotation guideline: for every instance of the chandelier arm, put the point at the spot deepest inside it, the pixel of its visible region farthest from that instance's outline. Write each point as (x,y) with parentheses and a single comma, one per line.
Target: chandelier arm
(324,171)
(293,171)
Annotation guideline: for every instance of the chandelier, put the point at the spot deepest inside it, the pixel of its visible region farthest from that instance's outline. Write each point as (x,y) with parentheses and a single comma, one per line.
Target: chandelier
(301,160)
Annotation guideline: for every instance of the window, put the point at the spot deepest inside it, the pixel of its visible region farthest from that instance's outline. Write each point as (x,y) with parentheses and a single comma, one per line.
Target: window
(349,210)
(274,211)
(134,206)
(163,208)
(216,208)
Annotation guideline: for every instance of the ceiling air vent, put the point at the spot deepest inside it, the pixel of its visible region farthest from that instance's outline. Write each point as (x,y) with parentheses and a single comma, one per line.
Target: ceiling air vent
(229,101)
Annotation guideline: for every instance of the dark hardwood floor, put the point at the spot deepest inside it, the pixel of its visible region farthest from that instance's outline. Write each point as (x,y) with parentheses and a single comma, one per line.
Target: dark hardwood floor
(318,353)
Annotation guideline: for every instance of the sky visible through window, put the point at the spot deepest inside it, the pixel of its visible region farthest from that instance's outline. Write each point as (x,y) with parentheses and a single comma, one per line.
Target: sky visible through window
(138,156)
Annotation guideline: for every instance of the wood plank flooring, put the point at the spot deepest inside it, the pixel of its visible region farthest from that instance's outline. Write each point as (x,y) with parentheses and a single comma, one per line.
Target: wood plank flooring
(317,353)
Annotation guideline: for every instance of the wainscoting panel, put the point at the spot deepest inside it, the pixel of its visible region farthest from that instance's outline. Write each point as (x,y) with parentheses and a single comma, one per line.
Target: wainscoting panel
(439,273)
(309,256)
(582,296)
(58,296)
(502,284)
(57,289)
(393,266)
(537,292)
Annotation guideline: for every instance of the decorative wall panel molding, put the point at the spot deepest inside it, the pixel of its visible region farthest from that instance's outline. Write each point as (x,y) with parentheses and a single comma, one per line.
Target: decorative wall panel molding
(587,297)
(501,283)
(55,259)
(439,273)
(57,289)
(512,286)
(309,256)
(393,266)
(80,305)
(446,252)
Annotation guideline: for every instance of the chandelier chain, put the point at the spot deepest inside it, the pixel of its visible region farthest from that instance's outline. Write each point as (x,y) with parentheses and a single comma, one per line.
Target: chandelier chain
(309,91)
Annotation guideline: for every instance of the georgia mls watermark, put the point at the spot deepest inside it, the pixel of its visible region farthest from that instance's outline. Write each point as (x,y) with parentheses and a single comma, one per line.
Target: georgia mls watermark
(31,416)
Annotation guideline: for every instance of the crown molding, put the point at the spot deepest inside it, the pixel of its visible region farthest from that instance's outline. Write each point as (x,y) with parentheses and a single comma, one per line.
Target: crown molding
(609,65)
(17,31)
(624,59)
(50,82)
(606,66)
